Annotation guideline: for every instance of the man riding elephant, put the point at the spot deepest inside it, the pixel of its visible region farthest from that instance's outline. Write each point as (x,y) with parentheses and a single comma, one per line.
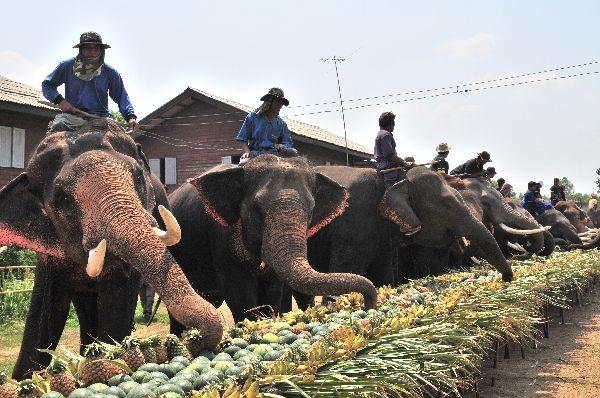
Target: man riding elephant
(388,162)
(264,131)
(473,167)
(88,82)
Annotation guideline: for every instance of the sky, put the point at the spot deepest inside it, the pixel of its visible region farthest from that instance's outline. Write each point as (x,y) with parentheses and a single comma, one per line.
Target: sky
(239,49)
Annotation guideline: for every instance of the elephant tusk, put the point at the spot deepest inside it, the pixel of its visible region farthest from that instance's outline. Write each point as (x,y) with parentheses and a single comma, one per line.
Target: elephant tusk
(516,246)
(466,241)
(586,239)
(513,231)
(172,235)
(3,248)
(475,260)
(96,259)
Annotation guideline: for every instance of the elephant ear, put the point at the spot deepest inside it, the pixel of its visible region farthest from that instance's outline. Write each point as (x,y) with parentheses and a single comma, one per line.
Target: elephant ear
(221,193)
(24,222)
(395,206)
(331,200)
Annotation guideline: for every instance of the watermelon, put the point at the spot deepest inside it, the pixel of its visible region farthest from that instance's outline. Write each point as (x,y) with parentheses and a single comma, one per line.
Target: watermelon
(115,391)
(141,392)
(273,355)
(168,369)
(158,376)
(223,356)
(181,359)
(223,365)
(98,388)
(184,384)
(239,342)
(139,375)
(128,386)
(206,379)
(232,349)
(268,338)
(53,394)
(150,367)
(81,393)
(170,388)
(262,349)
(240,353)
(208,354)
(118,379)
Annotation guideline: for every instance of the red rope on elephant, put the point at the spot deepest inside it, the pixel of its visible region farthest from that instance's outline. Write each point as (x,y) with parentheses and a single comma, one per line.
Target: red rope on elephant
(338,212)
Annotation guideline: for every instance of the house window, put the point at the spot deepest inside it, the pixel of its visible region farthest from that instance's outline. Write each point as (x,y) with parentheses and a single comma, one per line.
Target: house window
(165,169)
(12,147)
(233,159)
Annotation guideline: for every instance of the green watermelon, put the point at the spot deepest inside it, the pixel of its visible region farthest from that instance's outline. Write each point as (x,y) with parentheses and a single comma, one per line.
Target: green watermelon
(80,393)
(208,354)
(139,375)
(115,391)
(167,369)
(118,379)
(239,342)
(232,349)
(185,385)
(170,388)
(53,394)
(128,386)
(223,365)
(158,376)
(262,349)
(268,338)
(181,359)
(141,392)
(240,353)
(150,367)
(206,379)
(273,355)
(98,388)
(223,356)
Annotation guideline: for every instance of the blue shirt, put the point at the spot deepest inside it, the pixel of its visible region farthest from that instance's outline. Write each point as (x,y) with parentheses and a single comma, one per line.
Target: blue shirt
(261,134)
(385,145)
(89,96)
(531,203)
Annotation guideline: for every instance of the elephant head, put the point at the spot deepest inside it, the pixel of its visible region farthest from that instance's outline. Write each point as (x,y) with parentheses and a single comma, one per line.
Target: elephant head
(279,203)
(87,195)
(560,227)
(574,214)
(436,215)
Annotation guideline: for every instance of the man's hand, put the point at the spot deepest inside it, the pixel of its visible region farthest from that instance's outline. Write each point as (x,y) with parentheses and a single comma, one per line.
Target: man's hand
(133,123)
(66,106)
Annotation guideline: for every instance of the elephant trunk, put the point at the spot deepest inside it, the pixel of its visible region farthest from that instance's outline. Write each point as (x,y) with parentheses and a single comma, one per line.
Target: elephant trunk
(477,233)
(284,249)
(594,243)
(111,210)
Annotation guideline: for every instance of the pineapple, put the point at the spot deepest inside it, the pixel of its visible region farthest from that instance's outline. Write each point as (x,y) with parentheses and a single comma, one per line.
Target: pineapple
(148,351)
(61,380)
(29,389)
(159,349)
(132,354)
(95,369)
(192,340)
(175,347)
(8,387)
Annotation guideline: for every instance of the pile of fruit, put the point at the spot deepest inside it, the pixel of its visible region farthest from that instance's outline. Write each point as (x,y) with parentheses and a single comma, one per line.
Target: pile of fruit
(430,335)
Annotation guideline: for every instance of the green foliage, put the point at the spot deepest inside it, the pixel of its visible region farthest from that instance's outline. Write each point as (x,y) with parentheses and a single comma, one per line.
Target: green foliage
(117,116)
(16,256)
(569,188)
(14,306)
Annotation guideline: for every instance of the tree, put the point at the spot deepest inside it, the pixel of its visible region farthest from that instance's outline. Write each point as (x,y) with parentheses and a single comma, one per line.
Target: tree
(569,188)
(598,179)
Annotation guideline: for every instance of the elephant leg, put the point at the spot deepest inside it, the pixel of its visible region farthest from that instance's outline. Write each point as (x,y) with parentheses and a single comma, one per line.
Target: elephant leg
(87,313)
(240,289)
(116,303)
(47,315)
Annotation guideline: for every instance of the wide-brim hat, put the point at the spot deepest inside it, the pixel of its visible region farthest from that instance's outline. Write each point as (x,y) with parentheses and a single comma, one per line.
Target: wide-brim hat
(485,155)
(491,170)
(442,147)
(91,38)
(275,93)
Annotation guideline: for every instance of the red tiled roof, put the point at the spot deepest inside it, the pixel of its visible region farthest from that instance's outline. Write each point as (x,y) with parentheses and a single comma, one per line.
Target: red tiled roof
(18,93)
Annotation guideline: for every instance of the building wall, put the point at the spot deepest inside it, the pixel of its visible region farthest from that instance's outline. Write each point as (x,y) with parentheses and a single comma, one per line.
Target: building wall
(199,143)
(35,130)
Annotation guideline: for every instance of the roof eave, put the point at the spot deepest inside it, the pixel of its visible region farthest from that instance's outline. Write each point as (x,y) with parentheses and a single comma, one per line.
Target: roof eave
(28,109)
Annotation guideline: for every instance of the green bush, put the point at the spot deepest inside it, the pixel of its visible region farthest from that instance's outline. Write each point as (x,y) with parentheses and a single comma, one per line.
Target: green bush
(14,306)
(16,256)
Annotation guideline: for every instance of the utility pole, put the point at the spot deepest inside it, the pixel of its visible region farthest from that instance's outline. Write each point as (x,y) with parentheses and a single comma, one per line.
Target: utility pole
(335,61)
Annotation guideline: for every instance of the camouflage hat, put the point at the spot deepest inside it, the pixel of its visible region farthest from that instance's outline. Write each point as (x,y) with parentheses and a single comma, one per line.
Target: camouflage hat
(491,171)
(90,38)
(275,93)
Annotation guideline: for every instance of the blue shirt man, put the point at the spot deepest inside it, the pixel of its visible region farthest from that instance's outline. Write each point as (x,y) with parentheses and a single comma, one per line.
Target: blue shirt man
(263,131)
(88,82)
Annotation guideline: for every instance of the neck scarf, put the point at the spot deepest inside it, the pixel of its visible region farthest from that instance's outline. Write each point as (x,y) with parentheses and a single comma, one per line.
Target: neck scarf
(88,68)
(264,108)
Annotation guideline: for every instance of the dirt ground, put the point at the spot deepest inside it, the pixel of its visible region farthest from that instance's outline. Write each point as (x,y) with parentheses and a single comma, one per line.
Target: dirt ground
(566,365)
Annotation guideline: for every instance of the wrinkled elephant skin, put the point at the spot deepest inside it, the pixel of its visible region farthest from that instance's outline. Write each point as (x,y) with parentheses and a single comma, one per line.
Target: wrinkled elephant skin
(81,188)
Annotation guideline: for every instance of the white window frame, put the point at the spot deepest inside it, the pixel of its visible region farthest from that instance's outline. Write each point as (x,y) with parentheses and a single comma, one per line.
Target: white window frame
(12,147)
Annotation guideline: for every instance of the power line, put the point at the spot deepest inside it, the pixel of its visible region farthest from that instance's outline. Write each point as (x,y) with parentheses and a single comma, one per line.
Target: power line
(452,87)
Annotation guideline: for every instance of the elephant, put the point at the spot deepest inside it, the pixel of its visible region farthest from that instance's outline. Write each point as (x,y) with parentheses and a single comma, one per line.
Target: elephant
(507,220)
(426,211)
(562,230)
(574,214)
(83,203)
(244,231)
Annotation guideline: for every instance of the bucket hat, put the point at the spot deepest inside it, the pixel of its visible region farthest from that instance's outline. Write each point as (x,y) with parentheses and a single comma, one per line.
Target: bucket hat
(91,38)
(275,93)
